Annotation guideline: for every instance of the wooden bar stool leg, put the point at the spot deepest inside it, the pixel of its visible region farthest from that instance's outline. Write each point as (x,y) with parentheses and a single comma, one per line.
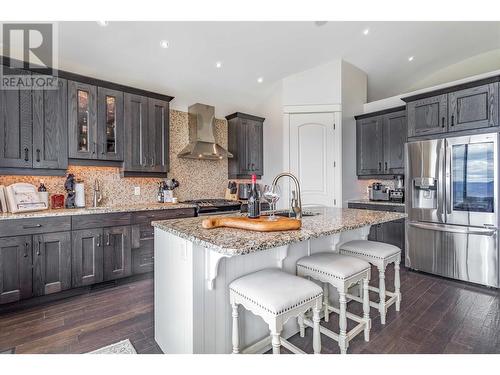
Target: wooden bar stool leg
(316,332)
(360,289)
(397,285)
(236,335)
(326,301)
(381,293)
(276,342)
(302,327)
(343,323)
(366,309)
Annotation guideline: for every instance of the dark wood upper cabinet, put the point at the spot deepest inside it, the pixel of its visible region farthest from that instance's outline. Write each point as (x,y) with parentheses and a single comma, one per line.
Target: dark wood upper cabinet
(395,134)
(136,127)
(16,142)
(473,108)
(82,117)
(246,143)
(110,126)
(369,146)
(147,142)
(51,263)
(380,139)
(50,127)
(158,123)
(428,116)
(117,252)
(15,268)
(87,257)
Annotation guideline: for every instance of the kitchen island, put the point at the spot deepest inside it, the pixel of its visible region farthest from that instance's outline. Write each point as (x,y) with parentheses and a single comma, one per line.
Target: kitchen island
(194,266)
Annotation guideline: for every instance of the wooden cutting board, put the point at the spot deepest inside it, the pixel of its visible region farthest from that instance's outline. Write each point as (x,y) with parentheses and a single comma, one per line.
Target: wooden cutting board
(261,224)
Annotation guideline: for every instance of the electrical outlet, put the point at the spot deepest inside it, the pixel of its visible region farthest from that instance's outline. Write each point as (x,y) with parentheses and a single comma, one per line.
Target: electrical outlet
(137,190)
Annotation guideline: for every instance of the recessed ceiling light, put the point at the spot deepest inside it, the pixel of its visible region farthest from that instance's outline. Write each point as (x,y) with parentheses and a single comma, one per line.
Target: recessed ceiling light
(411,58)
(366,31)
(260,79)
(164,44)
(320,23)
(102,23)
(218,65)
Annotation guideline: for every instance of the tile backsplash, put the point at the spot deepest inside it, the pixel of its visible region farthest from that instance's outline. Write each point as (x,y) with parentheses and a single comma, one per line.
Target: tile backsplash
(197,178)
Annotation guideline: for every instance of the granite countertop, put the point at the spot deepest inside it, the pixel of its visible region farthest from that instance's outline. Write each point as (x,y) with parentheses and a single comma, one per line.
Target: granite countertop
(98,210)
(231,242)
(382,203)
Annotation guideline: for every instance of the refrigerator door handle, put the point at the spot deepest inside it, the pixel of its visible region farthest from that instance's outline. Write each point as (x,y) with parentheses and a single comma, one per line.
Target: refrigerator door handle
(454,229)
(441,158)
(447,178)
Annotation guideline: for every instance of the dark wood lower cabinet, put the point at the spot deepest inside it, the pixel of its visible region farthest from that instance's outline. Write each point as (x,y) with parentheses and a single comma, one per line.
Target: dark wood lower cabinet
(51,263)
(15,268)
(87,257)
(392,232)
(117,252)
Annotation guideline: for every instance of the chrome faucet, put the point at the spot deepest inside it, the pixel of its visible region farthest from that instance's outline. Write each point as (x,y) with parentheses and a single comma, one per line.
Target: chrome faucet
(97,195)
(296,199)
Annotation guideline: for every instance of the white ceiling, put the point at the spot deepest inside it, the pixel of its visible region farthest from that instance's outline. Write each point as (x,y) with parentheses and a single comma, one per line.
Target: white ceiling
(130,53)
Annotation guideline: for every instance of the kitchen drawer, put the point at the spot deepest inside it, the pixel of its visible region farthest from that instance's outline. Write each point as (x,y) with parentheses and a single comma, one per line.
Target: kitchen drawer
(101,220)
(143,258)
(17,227)
(148,216)
(140,233)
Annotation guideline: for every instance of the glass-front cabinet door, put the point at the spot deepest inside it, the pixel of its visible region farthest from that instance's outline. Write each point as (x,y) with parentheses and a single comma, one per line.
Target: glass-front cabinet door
(82,113)
(472,180)
(110,124)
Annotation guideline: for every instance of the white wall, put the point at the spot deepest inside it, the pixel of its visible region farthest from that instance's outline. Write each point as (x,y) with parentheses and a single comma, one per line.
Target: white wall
(354,93)
(320,85)
(395,101)
(272,109)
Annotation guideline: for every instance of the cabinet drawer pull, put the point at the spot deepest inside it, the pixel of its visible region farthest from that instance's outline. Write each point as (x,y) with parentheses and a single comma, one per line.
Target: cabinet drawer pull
(95,148)
(32,226)
(26,154)
(108,240)
(452,120)
(26,245)
(379,166)
(386,166)
(98,241)
(38,250)
(38,155)
(103,152)
(442,121)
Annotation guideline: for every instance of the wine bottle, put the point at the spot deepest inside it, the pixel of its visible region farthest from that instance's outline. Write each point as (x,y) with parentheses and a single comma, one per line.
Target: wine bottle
(254,200)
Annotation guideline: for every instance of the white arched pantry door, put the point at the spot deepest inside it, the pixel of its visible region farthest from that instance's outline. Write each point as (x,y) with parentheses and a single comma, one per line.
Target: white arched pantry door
(312,156)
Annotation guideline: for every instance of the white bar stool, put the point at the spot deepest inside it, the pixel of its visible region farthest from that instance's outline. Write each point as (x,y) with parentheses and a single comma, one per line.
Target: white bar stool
(276,296)
(340,271)
(380,255)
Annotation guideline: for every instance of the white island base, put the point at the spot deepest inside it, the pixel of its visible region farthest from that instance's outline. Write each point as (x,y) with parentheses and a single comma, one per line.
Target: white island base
(192,310)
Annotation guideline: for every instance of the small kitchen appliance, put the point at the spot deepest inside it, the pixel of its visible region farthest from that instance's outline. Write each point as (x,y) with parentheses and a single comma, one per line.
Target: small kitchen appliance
(378,192)
(24,197)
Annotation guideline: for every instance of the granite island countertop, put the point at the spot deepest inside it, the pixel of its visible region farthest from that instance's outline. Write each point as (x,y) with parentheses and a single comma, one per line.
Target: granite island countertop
(231,242)
(98,210)
(381,203)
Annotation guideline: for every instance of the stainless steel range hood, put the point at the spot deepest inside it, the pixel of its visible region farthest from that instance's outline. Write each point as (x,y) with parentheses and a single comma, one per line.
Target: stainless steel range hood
(201,119)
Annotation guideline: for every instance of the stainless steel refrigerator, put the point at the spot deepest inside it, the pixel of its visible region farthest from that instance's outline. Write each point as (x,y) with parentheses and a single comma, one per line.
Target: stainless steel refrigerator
(452,205)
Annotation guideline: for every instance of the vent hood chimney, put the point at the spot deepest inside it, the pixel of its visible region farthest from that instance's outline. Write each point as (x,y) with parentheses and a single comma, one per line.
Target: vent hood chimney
(201,120)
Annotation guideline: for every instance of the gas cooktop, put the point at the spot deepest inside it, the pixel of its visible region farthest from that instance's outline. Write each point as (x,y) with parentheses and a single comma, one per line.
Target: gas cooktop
(212,206)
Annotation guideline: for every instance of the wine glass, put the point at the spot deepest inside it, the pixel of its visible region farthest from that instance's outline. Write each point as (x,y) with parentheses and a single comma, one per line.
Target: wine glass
(272,195)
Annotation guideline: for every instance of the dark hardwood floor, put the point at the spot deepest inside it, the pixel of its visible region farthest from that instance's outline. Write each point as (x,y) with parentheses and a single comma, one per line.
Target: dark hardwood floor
(437,316)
